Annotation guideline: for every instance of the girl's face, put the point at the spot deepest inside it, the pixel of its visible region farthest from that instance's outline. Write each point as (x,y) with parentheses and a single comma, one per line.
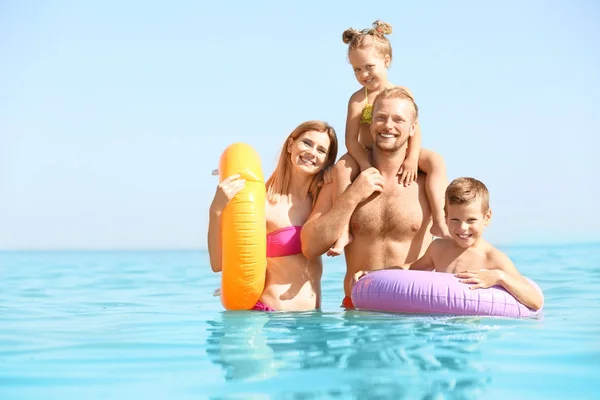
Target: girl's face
(370,67)
(309,151)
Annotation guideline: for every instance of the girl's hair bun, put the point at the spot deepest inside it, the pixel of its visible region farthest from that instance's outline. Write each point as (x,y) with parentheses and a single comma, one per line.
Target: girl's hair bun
(382,28)
(349,34)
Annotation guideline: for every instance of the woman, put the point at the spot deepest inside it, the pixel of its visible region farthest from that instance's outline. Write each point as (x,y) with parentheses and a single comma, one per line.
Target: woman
(293,282)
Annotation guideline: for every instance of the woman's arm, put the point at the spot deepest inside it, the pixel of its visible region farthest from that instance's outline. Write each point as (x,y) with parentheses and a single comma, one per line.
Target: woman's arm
(225,192)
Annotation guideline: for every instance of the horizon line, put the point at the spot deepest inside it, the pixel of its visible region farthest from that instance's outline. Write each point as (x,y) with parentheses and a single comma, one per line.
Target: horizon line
(204,249)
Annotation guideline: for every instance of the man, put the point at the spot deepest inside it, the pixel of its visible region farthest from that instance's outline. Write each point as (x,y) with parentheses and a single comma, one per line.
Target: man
(389,221)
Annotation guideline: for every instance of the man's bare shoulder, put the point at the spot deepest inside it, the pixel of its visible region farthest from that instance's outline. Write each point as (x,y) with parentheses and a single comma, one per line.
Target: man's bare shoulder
(441,246)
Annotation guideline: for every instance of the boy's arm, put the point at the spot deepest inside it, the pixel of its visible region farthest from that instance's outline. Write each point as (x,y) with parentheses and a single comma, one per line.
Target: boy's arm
(515,283)
(360,154)
(505,274)
(329,219)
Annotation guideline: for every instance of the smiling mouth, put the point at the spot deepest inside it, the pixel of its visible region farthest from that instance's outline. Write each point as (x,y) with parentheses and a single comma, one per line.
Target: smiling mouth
(465,236)
(306,161)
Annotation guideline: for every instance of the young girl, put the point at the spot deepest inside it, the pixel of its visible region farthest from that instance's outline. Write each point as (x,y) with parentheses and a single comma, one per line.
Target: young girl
(370,54)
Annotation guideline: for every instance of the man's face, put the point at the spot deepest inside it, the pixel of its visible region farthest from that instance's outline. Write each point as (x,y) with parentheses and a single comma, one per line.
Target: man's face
(393,123)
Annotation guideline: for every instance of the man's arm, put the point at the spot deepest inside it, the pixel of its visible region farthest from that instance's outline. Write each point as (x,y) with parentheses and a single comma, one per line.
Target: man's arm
(329,219)
(426,262)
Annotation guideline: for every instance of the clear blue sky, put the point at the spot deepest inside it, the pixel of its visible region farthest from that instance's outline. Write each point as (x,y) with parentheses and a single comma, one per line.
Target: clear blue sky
(114,113)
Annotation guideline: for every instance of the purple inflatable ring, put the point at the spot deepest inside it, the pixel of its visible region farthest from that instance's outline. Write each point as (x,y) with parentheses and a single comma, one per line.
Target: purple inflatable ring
(422,292)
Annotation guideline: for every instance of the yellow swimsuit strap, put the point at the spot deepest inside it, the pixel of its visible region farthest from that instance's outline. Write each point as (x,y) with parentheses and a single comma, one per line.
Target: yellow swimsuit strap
(367,113)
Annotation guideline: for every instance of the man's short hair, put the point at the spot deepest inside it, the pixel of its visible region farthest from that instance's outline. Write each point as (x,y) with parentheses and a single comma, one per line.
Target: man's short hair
(397,93)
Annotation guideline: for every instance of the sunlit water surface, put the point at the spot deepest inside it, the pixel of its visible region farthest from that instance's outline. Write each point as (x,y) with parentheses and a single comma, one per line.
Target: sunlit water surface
(122,325)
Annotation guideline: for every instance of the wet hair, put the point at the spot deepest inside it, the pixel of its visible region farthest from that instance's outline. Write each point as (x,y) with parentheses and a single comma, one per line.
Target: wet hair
(397,93)
(370,37)
(467,190)
(278,183)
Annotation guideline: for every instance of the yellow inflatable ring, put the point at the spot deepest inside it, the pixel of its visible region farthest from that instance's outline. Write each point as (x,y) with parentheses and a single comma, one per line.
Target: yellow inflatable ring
(243,230)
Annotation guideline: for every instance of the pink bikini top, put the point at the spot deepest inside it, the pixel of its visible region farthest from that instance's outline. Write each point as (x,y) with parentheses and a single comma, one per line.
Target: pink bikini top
(284,242)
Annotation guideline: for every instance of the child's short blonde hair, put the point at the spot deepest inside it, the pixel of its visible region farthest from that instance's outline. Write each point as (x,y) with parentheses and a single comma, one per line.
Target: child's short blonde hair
(467,190)
(370,37)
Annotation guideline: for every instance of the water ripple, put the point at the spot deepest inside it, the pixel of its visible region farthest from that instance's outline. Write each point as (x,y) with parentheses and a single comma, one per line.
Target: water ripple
(116,325)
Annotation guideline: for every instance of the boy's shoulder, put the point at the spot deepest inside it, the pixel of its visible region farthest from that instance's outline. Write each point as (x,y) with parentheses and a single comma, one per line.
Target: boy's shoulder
(496,257)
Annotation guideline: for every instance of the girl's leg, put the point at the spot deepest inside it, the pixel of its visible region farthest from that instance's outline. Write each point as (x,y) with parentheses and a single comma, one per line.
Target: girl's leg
(435,185)
(343,173)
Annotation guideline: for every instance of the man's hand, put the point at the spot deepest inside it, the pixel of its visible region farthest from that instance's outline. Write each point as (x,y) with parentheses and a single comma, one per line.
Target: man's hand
(368,182)
(357,276)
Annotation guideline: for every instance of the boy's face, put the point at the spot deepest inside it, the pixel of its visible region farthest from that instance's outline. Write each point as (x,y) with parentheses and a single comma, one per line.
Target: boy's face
(467,222)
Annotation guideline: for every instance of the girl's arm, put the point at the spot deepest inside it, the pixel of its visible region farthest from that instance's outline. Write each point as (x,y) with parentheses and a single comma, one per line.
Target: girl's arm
(360,154)
(414,144)
(410,166)
(225,192)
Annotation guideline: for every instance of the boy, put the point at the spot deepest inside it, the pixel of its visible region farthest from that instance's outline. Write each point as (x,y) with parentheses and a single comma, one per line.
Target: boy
(467,214)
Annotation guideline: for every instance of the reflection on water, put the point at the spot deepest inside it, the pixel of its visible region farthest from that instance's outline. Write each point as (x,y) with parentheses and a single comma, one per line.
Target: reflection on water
(238,343)
(370,355)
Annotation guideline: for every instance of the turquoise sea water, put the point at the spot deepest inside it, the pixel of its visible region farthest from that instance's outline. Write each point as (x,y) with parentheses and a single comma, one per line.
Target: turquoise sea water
(123,325)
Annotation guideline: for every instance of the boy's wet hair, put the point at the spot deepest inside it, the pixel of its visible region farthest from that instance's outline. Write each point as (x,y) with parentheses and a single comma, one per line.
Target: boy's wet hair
(466,190)
(370,37)
(397,93)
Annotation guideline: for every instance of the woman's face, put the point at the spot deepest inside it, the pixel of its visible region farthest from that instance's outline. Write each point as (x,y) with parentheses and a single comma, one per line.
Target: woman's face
(309,151)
